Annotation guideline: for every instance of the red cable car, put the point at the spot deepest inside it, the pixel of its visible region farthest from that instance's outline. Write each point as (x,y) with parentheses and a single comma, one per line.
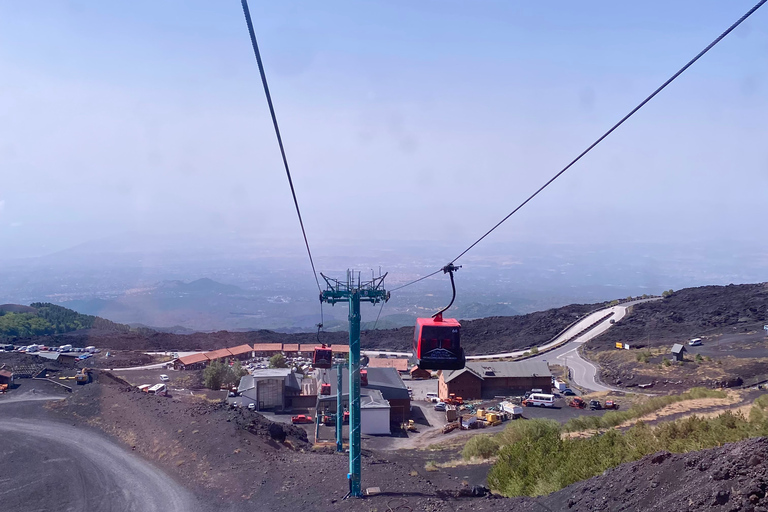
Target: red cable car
(323,357)
(437,340)
(363,377)
(325,389)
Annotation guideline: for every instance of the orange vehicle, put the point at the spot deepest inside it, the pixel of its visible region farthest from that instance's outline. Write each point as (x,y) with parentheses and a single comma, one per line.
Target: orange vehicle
(454,400)
(611,404)
(577,401)
(301,418)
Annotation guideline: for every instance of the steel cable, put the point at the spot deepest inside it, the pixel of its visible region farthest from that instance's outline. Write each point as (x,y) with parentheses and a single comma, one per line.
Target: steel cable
(247,14)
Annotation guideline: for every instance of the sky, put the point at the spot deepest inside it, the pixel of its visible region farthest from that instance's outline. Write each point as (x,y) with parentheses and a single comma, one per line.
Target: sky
(416,121)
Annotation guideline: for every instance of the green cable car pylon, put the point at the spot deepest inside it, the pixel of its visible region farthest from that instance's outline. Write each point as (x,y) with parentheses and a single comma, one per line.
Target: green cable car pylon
(354,291)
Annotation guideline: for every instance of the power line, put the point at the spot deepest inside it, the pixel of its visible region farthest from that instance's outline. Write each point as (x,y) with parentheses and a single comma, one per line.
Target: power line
(606,134)
(247,14)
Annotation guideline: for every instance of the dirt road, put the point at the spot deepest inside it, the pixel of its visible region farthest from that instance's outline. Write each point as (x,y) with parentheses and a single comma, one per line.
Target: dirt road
(46,465)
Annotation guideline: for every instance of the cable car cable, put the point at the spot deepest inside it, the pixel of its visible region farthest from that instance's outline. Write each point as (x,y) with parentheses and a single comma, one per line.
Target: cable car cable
(255,45)
(606,134)
(598,141)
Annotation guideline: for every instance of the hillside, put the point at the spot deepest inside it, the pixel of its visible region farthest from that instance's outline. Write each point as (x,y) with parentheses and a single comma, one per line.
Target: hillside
(495,334)
(692,312)
(44,319)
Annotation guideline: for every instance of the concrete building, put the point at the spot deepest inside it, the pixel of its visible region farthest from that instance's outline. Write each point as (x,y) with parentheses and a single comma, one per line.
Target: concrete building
(374,413)
(269,389)
(488,379)
(385,380)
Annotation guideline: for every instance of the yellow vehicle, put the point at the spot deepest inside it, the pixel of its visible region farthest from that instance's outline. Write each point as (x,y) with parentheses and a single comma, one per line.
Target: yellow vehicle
(83,376)
(492,419)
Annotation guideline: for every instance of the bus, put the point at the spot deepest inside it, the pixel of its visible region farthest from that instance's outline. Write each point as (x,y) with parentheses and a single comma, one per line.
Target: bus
(539,400)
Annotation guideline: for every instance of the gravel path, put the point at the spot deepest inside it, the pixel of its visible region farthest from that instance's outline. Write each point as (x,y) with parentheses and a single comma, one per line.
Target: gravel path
(51,466)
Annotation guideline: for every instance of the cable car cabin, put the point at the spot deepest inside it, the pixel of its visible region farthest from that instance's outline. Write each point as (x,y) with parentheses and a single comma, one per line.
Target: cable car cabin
(325,389)
(323,357)
(363,377)
(437,344)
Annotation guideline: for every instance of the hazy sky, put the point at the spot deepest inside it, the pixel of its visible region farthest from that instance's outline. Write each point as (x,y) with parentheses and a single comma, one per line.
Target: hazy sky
(401,120)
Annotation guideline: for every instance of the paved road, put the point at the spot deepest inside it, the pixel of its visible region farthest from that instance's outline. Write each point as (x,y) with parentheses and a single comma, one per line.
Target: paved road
(51,466)
(584,373)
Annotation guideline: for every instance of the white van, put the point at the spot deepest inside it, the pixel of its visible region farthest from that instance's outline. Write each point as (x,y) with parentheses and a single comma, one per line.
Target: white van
(540,400)
(695,342)
(65,348)
(432,397)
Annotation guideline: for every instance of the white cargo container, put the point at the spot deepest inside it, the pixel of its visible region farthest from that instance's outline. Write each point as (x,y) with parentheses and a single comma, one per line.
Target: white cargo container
(559,385)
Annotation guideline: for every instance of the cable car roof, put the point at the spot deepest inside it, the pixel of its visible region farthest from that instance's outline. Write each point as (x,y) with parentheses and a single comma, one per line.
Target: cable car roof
(447,322)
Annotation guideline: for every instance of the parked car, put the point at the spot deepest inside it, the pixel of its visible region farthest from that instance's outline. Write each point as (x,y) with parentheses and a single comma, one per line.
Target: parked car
(440,406)
(568,392)
(695,342)
(432,397)
(611,404)
(595,405)
(301,418)
(578,402)
(164,378)
(252,406)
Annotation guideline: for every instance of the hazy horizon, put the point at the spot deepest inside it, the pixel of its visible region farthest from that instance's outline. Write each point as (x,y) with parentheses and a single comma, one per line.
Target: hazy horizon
(411,129)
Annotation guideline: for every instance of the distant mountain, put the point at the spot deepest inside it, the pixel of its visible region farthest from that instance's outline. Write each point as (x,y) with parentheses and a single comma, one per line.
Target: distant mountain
(16,308)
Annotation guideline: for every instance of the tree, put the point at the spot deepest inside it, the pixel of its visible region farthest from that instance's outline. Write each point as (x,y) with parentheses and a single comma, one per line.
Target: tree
(213,375)
(277,361)
(667,293)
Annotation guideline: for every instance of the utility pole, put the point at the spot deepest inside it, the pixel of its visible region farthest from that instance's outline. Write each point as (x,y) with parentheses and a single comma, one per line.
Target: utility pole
(353,291)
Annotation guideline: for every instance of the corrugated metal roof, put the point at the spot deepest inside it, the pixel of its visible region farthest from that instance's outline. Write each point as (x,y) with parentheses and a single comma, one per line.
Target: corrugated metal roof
(242,349)
(386,380)
(501,369)
(193,358)
(373,399)
(677,348)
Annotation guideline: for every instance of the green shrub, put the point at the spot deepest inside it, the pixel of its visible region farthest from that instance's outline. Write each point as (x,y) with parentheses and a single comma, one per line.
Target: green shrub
(535,350)
(535,460)
(643,357)
(481,446)
(666,362)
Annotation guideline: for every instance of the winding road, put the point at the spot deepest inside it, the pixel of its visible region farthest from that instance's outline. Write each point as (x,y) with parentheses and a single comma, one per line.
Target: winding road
(46,465)
(583,373)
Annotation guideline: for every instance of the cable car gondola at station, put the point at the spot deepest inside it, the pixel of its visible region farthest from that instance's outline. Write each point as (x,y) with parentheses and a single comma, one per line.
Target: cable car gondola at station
(323,357)
(437,340)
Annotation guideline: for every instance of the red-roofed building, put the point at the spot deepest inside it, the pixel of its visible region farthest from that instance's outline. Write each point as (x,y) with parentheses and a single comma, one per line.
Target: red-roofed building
(221,353)
(308,348)
(242,352)
(191,362)
(340,349)
(267,349)
(401,365)
(290,347)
